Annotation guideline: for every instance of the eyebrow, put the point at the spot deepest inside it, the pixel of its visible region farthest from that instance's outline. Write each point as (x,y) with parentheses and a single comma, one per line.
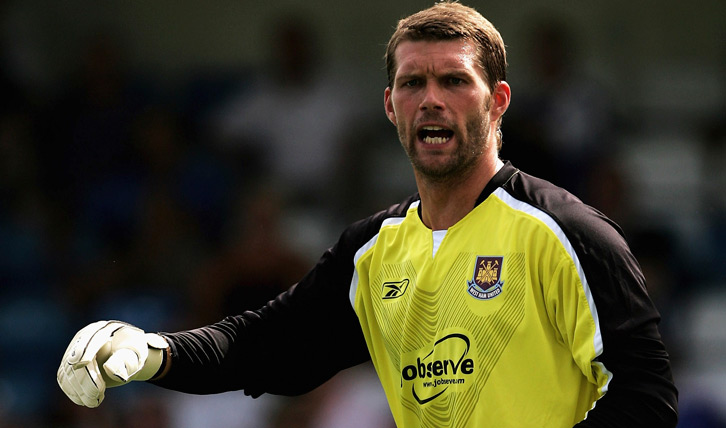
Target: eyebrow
(449,71)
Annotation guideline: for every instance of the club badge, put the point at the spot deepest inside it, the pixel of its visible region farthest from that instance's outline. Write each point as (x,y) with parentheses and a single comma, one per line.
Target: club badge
(486,283)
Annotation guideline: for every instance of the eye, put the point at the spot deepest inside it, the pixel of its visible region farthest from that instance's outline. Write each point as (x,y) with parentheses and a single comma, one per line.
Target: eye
(455,81)
(411,83)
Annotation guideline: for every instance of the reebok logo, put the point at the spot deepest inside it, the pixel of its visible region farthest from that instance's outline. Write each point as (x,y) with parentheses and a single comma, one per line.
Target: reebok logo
(394,289)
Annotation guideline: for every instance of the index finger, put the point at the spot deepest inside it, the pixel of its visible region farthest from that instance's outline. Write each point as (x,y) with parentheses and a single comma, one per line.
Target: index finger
(95,342)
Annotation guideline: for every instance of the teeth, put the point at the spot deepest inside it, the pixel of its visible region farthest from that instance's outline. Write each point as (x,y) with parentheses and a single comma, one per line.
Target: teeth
(435,140)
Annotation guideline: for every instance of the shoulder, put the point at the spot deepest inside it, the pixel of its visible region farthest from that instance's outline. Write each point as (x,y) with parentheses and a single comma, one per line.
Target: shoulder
(578,221)
(595,242)
(337,262)
(360,232)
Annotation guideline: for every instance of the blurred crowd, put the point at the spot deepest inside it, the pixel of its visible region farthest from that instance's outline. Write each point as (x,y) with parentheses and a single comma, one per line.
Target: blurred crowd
(170,209)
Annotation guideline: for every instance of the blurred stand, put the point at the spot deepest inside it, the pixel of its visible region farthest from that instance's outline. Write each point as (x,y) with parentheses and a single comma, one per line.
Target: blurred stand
(169,209)
(253,265)
(297,117)
(561,121)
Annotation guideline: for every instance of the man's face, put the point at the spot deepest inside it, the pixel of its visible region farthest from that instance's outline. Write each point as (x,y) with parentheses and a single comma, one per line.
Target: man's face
(440,104)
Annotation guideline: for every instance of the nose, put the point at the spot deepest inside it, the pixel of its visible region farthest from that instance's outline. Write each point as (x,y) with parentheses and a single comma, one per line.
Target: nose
(432,98)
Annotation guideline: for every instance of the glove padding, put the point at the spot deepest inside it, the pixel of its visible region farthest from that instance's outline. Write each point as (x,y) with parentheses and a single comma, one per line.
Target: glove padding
(125,352)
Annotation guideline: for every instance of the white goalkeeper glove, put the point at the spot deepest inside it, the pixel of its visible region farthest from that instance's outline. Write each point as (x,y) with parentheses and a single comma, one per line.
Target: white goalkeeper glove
(124,352)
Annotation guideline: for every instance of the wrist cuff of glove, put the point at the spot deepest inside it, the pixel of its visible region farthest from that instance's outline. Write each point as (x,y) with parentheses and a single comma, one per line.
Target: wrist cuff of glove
(156,361)
(165,365)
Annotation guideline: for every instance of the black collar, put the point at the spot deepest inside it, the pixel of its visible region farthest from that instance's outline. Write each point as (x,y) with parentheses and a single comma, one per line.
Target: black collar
(500,179)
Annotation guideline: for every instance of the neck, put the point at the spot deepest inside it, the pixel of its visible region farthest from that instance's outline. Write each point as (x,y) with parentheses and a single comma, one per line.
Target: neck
(444,203)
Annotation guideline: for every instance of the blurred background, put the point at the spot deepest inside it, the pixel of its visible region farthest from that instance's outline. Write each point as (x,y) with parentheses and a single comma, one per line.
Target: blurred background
(170,162)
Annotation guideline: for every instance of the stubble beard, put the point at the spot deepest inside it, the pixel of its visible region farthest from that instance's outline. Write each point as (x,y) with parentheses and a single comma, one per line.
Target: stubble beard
(460,164)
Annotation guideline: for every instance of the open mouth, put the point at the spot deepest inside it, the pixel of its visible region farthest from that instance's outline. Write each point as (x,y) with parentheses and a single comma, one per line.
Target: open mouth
(435,135)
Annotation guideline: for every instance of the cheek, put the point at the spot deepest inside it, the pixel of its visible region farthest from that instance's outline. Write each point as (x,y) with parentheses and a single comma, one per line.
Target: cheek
(480,108)
(403,104)
(398,114)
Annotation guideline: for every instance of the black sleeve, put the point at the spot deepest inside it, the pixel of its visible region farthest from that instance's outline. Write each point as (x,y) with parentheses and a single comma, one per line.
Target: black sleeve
(642,392)
(290,346)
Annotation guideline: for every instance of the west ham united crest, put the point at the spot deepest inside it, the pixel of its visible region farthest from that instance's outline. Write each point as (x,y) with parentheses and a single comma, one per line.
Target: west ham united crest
(486,283)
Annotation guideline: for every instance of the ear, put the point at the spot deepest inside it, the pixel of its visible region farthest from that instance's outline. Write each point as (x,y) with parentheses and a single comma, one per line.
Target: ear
(388,105)
(501,97)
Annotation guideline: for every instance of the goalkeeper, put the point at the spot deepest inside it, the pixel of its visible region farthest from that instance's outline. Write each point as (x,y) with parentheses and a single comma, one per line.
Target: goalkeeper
(490,298)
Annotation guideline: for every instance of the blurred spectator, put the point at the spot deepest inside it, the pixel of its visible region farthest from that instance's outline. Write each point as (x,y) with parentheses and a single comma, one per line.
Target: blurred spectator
(715,199)
(297,116)
(354,399)
(176,204)
(90,127)
(90,171)
(562,120)
(255,264)
(226,410)
(24,257)
(700,413)
(30,318)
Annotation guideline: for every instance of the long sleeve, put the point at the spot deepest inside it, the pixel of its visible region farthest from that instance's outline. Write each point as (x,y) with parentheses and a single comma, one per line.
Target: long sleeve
(603,312)
(641,392)
(290,346)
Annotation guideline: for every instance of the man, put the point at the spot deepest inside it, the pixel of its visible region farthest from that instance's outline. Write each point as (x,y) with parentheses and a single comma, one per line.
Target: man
(490,298)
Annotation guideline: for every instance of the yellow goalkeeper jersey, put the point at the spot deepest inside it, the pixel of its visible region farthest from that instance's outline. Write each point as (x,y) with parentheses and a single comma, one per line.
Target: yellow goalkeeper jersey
(489,323)
(530,312)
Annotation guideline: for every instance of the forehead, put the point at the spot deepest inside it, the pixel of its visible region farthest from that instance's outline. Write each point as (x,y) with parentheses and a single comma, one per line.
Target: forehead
(432,56)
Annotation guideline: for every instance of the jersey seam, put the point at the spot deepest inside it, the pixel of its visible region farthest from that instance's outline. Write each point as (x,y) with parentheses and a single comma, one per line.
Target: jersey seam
(549,221)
